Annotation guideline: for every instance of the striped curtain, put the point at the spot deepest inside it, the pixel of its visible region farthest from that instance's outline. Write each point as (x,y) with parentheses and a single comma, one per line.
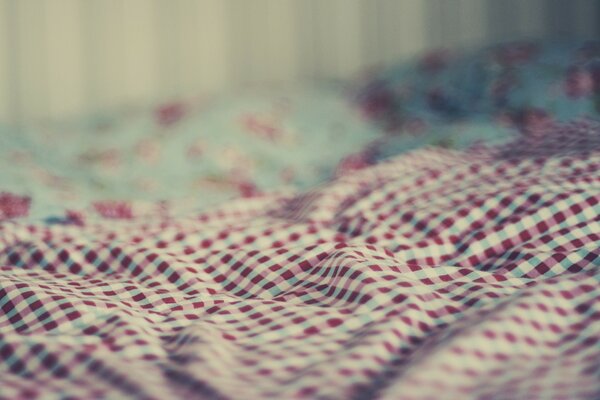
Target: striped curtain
(65,58)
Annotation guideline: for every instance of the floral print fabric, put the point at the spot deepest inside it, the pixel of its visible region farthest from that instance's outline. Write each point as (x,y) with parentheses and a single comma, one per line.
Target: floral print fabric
(523,85)
(206,151)
(251,143)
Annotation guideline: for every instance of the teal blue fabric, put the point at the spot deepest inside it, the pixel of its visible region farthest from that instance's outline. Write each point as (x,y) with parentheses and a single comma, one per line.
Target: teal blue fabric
(250,143)
(524,85)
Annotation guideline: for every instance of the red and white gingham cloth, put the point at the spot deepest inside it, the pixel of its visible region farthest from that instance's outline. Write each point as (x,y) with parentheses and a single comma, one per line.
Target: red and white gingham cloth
(435,275)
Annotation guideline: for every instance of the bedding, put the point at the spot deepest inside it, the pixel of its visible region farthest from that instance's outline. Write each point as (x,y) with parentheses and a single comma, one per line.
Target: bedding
(524,85)
(281,245)
(207,151)
(437,274)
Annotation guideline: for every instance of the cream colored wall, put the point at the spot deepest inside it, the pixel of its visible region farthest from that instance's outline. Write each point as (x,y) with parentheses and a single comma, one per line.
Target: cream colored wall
(61,58)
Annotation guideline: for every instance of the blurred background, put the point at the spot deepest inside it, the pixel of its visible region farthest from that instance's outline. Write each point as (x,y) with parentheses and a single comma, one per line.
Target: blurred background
(70,58)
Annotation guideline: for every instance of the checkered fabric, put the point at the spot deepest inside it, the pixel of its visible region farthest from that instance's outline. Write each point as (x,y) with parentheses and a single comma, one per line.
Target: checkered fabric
(435,275)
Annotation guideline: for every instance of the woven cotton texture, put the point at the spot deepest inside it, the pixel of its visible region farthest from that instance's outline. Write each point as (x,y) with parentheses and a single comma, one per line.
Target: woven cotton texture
(435,275)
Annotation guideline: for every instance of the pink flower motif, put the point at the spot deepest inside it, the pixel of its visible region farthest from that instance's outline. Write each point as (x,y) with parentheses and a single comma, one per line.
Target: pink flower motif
(354,162)
(13,206)
(578,83)
(379,102)
(515,54)
(534,121)
(261,127)
(247,188)
(74,217)
(114,209)
(169,114)
(148,150)
(435,61)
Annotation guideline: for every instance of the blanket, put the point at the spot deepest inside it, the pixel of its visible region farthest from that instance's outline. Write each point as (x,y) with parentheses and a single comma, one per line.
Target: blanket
(437,274)
(208,150)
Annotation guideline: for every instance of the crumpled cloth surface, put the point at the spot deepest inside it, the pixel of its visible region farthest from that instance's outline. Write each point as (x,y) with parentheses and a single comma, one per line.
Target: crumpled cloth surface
(438,274)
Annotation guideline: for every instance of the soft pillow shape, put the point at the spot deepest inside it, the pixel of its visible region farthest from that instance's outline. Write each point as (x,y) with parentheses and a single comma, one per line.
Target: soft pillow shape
(241,144)
(525,85)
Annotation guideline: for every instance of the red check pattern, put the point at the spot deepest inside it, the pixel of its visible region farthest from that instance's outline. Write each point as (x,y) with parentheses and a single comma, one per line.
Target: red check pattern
(435,275)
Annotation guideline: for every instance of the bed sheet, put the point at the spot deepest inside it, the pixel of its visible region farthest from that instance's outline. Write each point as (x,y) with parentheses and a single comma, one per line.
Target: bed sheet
(207,151)
(439,274)
(199,154)
(523,85)
(276,245)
